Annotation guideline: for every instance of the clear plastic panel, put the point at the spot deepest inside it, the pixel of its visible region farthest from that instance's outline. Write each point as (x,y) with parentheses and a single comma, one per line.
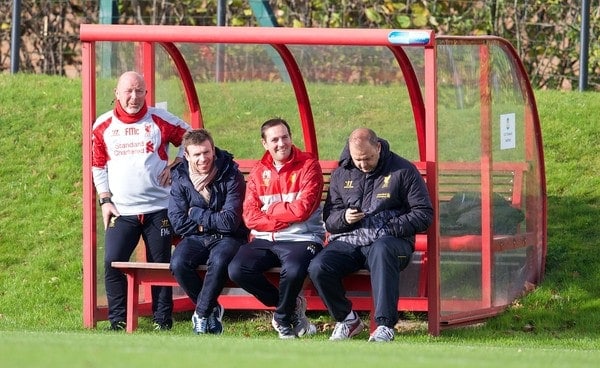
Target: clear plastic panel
(489,190)
(351,87)
(113,59)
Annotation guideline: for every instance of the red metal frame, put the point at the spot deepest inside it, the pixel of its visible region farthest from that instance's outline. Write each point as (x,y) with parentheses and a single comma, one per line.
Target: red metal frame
(424,112)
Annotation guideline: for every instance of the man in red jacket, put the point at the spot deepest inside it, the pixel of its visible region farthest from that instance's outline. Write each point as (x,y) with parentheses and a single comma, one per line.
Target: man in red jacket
(282,210)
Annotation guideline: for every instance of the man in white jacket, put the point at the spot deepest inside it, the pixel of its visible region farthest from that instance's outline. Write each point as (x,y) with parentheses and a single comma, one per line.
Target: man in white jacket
(132,177)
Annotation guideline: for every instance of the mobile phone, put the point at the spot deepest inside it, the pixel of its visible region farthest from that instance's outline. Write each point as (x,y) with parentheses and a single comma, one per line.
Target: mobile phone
(355,208)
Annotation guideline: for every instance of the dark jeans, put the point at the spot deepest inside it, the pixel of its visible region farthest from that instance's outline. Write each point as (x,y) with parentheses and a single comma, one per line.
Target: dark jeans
(216,252)
(384,259)
(122,236)
(253,259)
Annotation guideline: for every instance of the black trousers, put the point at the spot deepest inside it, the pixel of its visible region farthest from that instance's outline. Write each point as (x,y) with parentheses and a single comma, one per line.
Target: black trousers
(253,259)
(216,252)
(122,236)
(384,259)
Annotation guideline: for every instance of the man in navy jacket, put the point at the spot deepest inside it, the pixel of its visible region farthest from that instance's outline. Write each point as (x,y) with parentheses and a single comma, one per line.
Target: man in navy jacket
(205,209)
(377,202)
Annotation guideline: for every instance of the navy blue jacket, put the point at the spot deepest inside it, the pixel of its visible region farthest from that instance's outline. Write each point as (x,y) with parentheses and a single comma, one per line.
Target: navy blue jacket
(394,198)
(223,215)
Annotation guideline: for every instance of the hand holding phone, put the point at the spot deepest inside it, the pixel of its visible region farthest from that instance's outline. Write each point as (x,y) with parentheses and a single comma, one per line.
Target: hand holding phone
(357,208)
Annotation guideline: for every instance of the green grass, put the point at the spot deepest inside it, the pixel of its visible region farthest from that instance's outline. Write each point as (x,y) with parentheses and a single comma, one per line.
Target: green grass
(75,349)
(558,324)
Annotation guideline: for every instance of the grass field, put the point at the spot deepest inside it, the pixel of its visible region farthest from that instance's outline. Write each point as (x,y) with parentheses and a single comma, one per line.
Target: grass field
(557,325)
(73,349)
(100,350)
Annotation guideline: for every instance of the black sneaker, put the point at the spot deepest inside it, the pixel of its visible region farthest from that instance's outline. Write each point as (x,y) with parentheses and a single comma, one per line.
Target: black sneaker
(163,326)
(117,326)
(215,320)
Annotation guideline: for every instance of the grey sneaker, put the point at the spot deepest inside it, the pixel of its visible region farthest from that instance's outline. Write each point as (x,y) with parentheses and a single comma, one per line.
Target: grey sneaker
(215,320)
(285,332)
(382,334)
(199,324)
(348,328)
(302,325)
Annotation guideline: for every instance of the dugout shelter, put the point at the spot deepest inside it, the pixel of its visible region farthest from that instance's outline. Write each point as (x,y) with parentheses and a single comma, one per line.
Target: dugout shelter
(461,108)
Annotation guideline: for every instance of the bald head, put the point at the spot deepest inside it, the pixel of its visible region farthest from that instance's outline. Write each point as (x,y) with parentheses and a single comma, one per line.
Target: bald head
(131,92)
(364,148)
(362,136)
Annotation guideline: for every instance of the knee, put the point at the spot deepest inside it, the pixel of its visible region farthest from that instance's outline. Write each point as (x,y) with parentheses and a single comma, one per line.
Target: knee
(175,263)
(234,270)
(315,267)
(178,264)
(294,272)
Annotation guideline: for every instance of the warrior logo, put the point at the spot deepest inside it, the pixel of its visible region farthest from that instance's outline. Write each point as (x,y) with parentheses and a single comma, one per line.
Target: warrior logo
(149,147)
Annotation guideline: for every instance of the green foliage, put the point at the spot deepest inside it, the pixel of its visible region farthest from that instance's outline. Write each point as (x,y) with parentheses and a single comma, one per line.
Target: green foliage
(41,222)
(545,33)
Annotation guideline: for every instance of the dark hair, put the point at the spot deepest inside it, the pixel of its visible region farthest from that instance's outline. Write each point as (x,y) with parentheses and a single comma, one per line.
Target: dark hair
(274,122)
(196,137)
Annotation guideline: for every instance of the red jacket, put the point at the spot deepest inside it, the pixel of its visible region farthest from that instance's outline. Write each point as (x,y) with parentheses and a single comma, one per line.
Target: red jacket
(285,205)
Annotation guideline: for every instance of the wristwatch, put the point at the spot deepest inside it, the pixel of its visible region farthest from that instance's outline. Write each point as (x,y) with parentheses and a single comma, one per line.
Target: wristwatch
(104,200)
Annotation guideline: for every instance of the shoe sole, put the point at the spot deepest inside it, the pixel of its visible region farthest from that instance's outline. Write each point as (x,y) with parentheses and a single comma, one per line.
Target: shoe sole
(287,337)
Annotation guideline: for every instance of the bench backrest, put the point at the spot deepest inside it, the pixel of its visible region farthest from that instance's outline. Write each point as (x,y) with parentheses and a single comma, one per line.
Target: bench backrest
(454,177)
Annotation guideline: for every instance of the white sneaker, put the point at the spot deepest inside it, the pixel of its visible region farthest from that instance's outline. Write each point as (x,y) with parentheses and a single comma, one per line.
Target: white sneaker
(348,328)
(199,324)
(382,334)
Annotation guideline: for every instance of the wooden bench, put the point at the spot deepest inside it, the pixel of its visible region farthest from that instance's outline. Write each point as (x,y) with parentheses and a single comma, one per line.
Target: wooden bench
(508,180)
(158,274)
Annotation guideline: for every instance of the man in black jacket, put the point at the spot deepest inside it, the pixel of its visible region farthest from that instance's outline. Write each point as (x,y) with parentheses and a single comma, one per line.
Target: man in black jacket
(205,209)
(377,202)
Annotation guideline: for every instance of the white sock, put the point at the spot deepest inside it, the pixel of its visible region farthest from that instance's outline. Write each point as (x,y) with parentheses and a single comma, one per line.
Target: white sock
(350,316)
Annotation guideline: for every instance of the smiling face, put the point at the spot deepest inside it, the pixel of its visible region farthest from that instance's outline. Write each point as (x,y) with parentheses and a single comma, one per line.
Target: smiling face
(131,92)
(201,156)
(278,141)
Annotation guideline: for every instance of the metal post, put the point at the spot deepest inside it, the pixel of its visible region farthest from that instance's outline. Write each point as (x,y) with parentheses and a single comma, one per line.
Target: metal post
(108,14)
(585,44)
(15,38)
(221,6)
